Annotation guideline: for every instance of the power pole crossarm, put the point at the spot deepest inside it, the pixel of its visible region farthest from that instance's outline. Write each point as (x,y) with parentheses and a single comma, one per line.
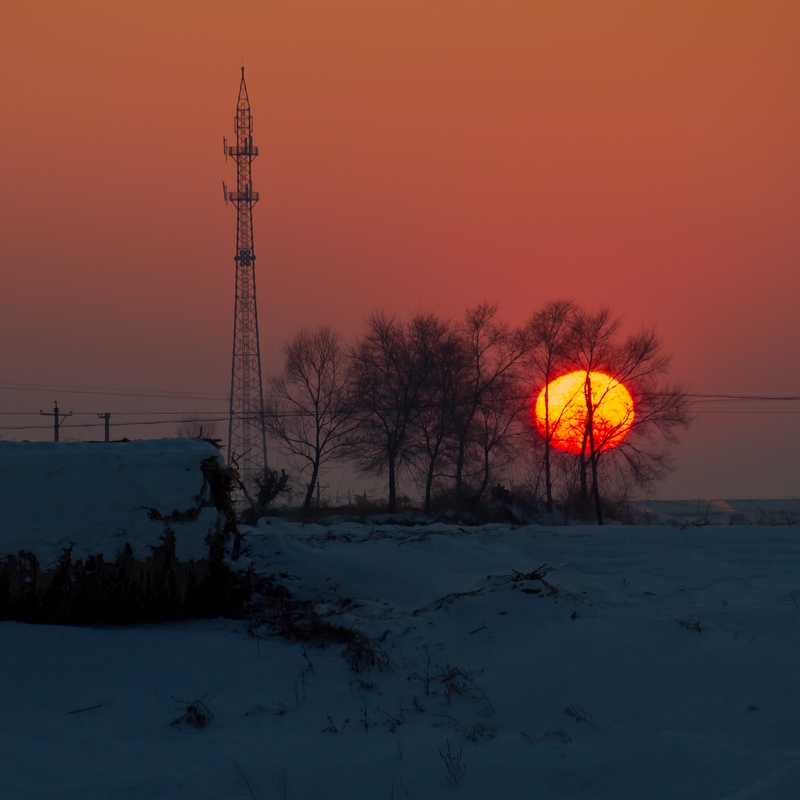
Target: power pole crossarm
(247,438)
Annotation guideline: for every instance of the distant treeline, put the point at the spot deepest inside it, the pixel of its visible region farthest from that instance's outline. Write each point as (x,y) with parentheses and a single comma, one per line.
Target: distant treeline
(447,404)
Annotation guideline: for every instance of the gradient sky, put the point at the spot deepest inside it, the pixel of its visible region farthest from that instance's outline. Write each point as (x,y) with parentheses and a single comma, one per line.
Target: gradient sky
(415,155)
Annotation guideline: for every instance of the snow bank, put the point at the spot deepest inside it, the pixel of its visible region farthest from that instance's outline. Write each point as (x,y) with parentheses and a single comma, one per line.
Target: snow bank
(97,497)
(107,514)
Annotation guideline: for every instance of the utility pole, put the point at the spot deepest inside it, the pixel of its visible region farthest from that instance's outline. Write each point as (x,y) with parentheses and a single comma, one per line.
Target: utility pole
(107,418)
(57,418)
(247,435)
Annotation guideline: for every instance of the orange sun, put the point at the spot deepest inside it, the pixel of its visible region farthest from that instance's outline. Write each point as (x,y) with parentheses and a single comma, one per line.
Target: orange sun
(568,412)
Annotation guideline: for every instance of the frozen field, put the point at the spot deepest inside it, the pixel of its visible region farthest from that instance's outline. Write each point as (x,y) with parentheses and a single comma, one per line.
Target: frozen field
(652,662)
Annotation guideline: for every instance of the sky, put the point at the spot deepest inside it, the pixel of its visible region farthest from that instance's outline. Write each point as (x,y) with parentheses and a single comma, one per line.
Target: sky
(414,155)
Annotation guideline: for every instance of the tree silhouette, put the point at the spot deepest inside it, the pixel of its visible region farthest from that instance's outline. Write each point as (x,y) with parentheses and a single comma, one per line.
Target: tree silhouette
(639,363)
(551,329)
(390,365)
(308,411)
(492,361)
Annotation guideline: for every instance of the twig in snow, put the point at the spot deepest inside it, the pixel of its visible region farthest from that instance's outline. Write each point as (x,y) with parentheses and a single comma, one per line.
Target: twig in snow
(197,714)
(243,778)
(454,765)
(88,708)
(580,714)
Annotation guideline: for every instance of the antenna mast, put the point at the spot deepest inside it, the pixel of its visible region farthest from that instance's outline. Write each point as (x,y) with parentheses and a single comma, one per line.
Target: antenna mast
(247,438)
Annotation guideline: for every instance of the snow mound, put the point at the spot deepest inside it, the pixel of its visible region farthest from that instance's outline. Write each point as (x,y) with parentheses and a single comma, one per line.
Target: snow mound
(117,532)
(97,497)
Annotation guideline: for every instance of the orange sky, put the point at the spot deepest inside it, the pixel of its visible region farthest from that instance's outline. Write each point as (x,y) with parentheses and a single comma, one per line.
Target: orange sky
(414,155)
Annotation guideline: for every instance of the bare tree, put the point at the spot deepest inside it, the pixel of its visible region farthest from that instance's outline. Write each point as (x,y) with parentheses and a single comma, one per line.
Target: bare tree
(492,359)
(390,365)
(661,410)
(307,407)
(638,363)
(432,423)
(593,350)
(199,426)
(552,333)
(499,431)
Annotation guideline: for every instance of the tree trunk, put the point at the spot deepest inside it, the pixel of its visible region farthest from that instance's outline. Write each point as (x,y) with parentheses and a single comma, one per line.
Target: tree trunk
(392,485)
(312,484)
(484,483)
(460,458)
(428,491)
(593,462)
(429,479)
(548,481)
(592,451)
(584,496)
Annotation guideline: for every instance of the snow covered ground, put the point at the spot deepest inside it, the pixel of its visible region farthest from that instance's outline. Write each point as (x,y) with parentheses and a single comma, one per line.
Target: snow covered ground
(651,663)
(95,497)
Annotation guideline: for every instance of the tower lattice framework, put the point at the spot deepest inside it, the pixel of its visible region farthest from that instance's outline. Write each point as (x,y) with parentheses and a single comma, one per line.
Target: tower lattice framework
(247,440)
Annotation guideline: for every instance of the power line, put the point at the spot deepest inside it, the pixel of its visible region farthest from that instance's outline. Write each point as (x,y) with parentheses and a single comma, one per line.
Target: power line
(703,403)
(114,392)
(177,394)
(296,415)
(101,424)
(190,413)
(791,398)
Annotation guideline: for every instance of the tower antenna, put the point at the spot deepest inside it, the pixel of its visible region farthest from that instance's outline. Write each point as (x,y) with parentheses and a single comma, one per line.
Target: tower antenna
(247,438)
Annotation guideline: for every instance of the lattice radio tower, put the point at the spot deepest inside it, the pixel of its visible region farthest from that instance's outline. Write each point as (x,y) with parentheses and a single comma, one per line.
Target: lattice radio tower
(247,439)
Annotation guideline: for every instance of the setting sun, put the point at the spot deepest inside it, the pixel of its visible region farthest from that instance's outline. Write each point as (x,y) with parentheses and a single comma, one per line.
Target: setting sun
(566,398)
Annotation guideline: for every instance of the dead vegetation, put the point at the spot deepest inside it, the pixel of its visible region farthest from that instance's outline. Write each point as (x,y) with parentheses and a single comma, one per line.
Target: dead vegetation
(274,612)
(494,582)
(454,764)
(196,714)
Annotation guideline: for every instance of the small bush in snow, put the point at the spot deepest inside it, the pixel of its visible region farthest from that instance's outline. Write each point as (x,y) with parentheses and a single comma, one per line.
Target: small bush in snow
(197,714)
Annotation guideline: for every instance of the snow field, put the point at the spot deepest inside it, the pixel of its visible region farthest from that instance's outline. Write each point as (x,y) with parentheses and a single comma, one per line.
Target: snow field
(665,666)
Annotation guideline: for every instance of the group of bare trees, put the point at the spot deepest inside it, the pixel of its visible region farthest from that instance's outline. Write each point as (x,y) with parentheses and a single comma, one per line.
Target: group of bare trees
(569,339)
(447,404)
